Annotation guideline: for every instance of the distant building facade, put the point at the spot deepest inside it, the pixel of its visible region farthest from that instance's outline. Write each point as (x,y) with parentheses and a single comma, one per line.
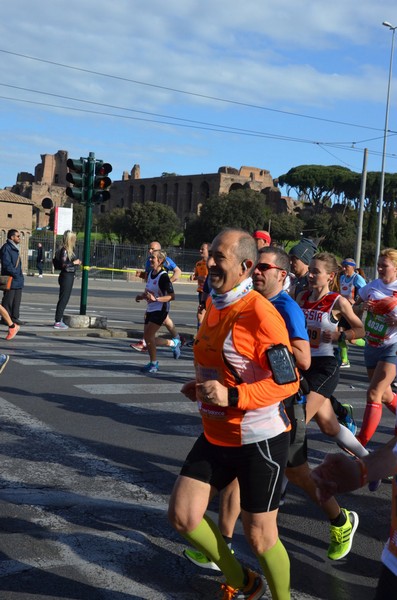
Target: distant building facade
(16,213)
(186,193)
(46,187)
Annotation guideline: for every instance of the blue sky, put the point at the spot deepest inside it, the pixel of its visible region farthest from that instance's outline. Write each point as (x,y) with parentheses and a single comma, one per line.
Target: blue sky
(265,83)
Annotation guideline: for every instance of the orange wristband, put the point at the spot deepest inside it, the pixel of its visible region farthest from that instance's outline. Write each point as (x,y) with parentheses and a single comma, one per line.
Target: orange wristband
(363,472)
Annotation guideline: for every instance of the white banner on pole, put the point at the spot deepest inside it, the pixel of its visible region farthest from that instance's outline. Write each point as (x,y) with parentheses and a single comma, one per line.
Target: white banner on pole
(63,220)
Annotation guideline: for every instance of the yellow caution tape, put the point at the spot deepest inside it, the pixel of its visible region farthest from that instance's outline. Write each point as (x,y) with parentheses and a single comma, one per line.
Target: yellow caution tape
(136,271)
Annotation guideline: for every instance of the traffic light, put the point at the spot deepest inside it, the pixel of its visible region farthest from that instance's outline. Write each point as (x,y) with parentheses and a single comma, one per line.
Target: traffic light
(101,182)
(78,177)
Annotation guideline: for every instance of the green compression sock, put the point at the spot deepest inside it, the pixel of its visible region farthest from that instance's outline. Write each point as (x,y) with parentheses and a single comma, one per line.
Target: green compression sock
(343,352)
(208,539)
(276,567)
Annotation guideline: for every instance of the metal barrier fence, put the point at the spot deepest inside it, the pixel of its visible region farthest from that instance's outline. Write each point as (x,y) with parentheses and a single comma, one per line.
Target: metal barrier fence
(120,261)
(110,261)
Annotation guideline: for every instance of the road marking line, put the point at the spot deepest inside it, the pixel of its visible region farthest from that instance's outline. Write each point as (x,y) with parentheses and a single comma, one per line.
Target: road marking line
(110,389)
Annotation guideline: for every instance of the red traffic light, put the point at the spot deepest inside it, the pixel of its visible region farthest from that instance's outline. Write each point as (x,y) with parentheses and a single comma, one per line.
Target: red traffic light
(103,169)
(101,182)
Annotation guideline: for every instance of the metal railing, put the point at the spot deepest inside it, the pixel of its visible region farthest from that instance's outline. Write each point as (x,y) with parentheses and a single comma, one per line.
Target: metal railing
(109,260)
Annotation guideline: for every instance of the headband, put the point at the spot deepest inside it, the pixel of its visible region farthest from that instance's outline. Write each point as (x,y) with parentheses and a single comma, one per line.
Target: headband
(348,263)
(262,235)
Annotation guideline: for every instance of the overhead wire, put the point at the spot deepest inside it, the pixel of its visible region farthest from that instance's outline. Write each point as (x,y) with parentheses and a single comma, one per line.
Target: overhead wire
(188,93)
(189,123)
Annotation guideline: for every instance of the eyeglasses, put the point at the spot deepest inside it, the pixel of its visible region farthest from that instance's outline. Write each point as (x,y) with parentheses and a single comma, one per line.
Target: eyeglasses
(266,266)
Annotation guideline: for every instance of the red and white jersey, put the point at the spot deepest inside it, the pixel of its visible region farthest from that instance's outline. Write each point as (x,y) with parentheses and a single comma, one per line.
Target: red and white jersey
(319,318)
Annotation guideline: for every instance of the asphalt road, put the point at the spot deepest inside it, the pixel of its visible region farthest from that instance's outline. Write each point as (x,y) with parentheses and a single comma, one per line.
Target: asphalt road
(90,449)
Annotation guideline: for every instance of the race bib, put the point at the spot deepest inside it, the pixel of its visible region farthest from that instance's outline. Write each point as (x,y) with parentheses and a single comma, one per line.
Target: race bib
(314,336)
(210,411)
(376,329)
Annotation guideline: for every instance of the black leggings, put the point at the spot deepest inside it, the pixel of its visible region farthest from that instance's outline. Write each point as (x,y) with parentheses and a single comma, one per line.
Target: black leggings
(65,281)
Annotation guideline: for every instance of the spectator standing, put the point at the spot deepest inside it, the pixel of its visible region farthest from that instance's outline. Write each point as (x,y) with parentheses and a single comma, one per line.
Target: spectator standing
(40,259)
(68,262)
(11,265)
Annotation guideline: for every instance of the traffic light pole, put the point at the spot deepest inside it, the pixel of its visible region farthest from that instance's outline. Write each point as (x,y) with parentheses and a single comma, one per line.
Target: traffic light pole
(89,179)
(87,233)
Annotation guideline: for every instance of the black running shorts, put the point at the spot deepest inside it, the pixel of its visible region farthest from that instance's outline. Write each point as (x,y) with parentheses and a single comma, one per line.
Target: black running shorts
(259,468)
(322,375)
(157,316)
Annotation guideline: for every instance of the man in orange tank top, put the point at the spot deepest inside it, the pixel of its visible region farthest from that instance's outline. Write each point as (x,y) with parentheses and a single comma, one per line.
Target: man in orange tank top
(246,430)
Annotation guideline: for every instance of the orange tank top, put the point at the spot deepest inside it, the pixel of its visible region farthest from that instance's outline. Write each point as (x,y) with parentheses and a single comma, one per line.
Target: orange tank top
(230,348)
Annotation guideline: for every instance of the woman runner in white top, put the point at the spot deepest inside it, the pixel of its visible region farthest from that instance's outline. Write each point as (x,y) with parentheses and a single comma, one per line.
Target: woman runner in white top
(379,298)
(158,294)
(323,310)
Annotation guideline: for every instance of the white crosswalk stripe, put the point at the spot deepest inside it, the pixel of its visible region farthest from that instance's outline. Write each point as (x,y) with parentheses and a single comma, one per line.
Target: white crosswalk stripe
(112,363)
(110,389)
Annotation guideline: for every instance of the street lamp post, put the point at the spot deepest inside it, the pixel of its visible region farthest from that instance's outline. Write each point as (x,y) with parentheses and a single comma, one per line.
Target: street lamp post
(382,175)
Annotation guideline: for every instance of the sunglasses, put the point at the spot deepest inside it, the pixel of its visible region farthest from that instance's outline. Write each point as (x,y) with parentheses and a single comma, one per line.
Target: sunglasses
(266,266)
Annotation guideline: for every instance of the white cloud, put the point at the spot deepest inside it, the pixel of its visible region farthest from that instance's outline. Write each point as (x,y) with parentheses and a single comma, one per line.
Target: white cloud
(310,57)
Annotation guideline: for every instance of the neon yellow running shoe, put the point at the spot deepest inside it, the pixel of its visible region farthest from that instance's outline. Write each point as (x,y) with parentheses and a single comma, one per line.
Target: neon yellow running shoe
(199,559)
(342,537)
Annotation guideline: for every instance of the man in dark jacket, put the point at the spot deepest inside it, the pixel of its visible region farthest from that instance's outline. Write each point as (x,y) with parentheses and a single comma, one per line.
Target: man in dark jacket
(40,259)
(300,256)
(11,265)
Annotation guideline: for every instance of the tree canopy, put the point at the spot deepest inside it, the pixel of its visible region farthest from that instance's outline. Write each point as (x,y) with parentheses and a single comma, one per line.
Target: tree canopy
(285,228)
(240,208)
(325,185)
(320,184)
(141,223)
